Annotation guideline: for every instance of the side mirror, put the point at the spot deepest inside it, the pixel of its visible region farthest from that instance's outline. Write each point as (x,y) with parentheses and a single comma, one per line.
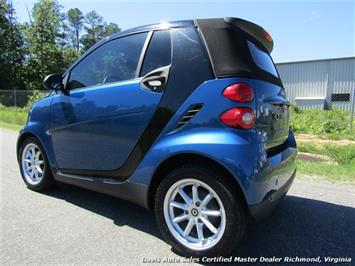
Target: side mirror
(53,82)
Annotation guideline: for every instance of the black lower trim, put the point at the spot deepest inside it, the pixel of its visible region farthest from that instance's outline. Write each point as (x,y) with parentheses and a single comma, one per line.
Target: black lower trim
(277,149)
(262,209)
(133,192)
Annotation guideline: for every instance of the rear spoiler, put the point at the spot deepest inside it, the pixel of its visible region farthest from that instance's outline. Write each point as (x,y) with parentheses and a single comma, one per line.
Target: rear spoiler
(226,43)
(254,30)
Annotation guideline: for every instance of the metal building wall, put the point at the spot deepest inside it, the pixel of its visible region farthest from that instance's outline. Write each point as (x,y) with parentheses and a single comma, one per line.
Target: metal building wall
(319,79)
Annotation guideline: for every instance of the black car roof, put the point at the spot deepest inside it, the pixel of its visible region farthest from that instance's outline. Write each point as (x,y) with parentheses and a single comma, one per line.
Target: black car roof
(155,26)
(168,24)
(236,22)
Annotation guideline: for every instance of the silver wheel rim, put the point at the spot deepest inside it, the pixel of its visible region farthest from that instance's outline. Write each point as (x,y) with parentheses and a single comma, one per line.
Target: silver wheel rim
(194,214)
(32,163)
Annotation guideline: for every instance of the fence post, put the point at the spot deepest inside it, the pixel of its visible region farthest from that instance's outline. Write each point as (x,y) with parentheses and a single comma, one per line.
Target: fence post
(15,100)
(352,111)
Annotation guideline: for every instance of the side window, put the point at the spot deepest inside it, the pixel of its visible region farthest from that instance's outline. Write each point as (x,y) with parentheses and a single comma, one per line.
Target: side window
(158,53)
(114,61)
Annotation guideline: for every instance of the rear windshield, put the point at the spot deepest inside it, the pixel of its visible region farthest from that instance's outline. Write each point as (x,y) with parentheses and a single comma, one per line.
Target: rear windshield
(262,59)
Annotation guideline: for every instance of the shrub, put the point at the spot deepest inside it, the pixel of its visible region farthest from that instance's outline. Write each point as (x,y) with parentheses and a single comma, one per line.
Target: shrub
(34,97)
(318,121)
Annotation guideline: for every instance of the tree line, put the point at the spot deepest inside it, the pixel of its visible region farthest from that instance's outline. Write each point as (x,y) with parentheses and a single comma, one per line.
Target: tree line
(48,43)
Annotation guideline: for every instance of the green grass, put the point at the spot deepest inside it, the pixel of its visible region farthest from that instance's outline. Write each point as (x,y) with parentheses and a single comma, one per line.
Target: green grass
(13,118)
(10,126)
(342,154)
(343,171)
(326,172)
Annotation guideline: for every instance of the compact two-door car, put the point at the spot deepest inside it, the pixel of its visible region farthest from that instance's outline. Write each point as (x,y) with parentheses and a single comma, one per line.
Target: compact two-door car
(189,118)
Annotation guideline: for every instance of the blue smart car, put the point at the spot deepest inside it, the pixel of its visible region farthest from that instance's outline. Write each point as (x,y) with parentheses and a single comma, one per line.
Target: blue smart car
(189,118)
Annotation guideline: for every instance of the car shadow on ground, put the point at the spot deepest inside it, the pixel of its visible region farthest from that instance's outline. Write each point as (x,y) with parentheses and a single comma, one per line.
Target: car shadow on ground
(302,227)
(299,227)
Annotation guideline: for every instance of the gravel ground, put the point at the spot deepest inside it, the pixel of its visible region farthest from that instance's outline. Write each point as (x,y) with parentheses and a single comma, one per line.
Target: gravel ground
(70,225)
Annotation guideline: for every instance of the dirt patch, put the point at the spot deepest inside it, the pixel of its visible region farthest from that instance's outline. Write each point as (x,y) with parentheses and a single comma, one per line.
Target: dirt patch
(317,140)
(305,156)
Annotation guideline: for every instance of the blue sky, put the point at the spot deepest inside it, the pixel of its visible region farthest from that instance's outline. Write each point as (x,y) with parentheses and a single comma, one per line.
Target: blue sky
(302,30)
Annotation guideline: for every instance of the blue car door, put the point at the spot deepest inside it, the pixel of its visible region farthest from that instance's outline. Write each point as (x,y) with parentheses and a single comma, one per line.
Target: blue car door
(97,122)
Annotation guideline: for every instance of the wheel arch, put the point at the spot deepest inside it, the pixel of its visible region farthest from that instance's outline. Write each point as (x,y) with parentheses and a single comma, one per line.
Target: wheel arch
(23,136)
(191,158)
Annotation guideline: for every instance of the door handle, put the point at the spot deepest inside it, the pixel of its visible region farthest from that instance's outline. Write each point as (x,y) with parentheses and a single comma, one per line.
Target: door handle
(155,83)
(156,80)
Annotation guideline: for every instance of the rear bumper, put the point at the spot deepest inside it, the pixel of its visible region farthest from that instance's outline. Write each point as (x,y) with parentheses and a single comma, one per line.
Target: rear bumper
(272,182)
(263,208)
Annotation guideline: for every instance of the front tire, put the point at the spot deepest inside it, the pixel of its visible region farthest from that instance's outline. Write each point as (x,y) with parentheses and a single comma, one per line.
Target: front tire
(198,213)
(34,165)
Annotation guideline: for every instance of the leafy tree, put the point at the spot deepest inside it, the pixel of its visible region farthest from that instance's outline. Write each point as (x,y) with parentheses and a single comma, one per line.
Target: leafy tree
(70,56)
(11,48)
(76,23)
(110,28)
(96,29)
(64,33)
(93,27)
(44,36)
(47,44)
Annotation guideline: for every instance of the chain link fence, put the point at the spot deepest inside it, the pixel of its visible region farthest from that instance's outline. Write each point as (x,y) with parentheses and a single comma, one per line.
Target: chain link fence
(17,98)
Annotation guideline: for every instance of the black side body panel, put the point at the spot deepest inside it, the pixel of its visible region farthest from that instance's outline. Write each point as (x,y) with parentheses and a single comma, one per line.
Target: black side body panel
(190,67)
(226,43)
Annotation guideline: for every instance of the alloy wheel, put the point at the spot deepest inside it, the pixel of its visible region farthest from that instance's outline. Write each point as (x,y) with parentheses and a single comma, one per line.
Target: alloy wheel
(32,163)
(194,214)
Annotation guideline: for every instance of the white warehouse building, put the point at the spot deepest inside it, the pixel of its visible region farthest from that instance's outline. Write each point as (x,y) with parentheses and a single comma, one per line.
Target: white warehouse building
(320,84)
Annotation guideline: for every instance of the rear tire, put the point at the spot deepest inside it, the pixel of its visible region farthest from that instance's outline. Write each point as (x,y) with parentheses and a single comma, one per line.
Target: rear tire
(192,221)
(34,167)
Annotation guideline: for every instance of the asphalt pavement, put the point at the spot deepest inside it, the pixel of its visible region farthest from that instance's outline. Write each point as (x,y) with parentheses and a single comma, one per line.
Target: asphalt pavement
(69,225)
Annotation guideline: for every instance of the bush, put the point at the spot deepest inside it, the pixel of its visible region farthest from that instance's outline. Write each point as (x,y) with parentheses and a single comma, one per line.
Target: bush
(319,122)
(34,97)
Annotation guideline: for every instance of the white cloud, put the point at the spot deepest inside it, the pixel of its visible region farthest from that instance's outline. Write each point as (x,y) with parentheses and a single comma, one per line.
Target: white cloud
(314,16)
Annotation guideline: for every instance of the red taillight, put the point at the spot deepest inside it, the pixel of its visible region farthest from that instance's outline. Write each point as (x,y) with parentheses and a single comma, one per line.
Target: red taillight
(241,117)
(240,92)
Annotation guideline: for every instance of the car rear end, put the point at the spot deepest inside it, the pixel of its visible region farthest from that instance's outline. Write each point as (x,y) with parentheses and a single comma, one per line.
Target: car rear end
(241,49)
